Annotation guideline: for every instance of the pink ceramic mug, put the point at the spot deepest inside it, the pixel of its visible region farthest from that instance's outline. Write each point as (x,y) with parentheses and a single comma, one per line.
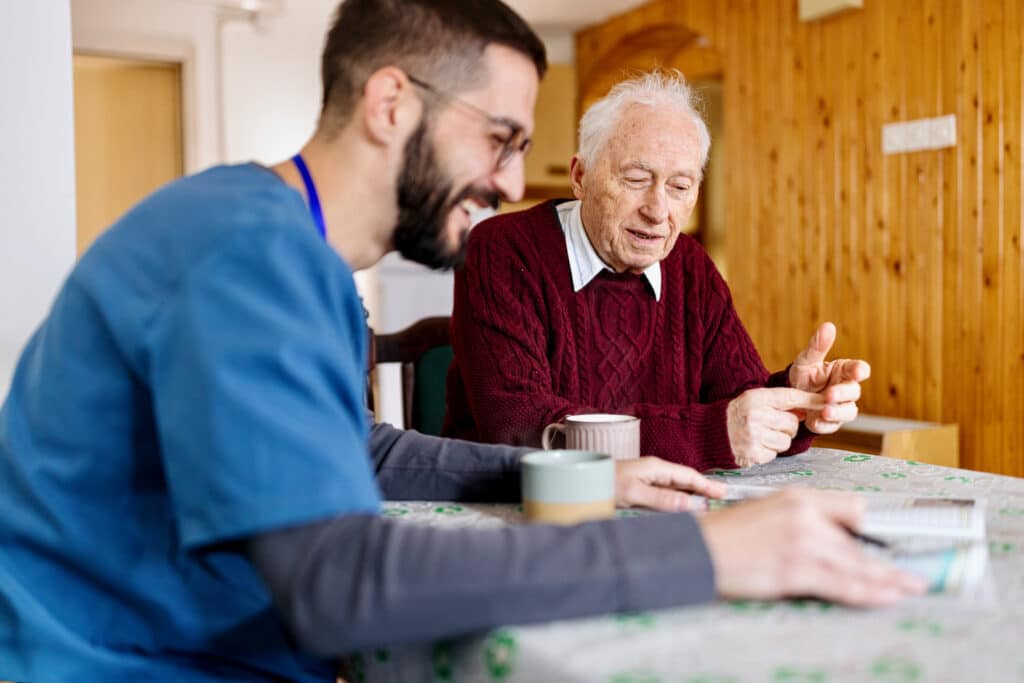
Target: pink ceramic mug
(616,435)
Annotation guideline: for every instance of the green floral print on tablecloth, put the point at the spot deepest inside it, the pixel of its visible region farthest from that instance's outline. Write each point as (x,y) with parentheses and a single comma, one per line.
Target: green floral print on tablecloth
(809,605)
(787,674)
(894,670)
(927,626)
(1001,547)
(641,620)
(635,677)
(500,654)
(752,606)
(442,660)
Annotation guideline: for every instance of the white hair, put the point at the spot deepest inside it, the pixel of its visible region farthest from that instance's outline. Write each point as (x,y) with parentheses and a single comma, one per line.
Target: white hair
(656,88)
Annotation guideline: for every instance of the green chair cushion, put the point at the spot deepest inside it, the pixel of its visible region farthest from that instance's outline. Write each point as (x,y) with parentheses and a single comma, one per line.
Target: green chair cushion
(429,404)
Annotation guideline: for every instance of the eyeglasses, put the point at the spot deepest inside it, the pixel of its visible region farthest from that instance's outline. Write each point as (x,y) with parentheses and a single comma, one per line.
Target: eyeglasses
(515,141)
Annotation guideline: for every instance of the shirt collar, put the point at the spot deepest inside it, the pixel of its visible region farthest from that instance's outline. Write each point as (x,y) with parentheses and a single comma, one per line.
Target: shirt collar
(584,262)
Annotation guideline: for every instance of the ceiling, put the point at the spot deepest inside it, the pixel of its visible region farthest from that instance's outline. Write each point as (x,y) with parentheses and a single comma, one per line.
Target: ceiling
(548,15)
(569,15)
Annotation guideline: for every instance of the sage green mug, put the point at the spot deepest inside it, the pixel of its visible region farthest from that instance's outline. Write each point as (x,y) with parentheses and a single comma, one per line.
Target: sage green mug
(568,486)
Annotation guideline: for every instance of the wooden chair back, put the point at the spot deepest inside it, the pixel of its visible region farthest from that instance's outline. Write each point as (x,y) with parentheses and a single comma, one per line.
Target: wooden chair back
(425,352)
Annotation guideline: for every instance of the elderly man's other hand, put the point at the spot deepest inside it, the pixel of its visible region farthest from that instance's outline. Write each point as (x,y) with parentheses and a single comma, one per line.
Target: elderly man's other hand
(654,483)
(838,381)
(762,422)
(795,544)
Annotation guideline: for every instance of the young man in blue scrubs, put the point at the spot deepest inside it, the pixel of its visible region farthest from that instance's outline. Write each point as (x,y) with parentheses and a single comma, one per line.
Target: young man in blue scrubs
(189,485)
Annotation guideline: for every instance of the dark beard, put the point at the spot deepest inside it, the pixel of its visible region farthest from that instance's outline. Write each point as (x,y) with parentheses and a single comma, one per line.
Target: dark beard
(424,202)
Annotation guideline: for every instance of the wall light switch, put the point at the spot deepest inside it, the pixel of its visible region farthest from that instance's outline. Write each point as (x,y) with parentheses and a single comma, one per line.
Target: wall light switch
(892,138)
(942,132)
(915,135)
(816,9)
(919,134)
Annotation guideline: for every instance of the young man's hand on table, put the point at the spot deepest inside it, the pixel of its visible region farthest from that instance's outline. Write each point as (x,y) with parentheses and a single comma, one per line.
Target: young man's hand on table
(797,543)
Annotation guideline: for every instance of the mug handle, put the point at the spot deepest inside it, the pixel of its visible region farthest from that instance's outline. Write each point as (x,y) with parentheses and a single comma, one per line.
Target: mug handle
(546,436)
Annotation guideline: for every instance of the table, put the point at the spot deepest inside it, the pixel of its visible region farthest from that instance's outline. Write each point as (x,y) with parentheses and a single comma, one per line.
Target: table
(932,638)
(931,442)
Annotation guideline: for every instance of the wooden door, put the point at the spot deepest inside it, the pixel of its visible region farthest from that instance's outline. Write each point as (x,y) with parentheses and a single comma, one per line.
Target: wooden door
(128,136)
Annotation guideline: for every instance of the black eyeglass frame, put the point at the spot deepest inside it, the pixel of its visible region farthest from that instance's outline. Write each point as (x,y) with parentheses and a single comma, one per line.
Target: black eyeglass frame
(515,142)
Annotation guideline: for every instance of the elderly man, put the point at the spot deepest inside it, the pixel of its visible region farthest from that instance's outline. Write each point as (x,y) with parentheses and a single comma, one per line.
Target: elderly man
(601,305)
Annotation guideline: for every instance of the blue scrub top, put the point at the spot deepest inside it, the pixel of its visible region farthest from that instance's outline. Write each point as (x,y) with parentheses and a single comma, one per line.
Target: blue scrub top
(200,379)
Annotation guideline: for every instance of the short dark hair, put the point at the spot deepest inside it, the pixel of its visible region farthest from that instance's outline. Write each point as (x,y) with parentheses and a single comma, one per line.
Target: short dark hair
(440,41)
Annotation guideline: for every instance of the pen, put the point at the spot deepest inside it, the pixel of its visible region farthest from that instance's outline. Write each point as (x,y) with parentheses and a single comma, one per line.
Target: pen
(870,540)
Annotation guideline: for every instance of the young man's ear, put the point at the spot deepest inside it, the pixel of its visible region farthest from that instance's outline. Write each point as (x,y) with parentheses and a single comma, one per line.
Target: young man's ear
(390,108)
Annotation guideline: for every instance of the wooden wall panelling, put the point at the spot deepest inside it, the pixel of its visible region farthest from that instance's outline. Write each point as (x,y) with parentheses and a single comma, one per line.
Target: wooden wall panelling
(874,268)
(991,229)
(758,141)
(951,85)
(994,228)
(1013,260)
(819,234)
(916,256)
(734,84)
(738,86)
(932,303)
(969,261)
(853,315)
(894,356)
(790,199)
(919,219)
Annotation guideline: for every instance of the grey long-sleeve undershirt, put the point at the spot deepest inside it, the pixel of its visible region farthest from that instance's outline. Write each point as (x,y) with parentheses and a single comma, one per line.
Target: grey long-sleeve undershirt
(414,466)
(358,581)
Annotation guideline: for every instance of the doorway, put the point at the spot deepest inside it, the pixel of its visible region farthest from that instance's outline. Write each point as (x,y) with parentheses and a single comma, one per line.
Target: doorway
(128,136)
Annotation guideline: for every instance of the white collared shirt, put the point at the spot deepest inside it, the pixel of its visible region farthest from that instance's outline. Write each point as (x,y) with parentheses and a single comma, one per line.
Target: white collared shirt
(584,262)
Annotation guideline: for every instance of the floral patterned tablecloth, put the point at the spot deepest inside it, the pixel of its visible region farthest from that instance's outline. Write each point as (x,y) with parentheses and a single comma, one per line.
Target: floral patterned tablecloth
(933,638)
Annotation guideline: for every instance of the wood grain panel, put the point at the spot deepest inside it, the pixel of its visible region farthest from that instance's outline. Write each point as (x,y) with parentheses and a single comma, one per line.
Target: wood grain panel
(1013,212)
(991,223)
(917,257)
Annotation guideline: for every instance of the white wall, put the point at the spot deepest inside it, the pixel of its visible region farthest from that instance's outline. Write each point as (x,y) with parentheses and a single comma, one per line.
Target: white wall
(37,179)
(272,81)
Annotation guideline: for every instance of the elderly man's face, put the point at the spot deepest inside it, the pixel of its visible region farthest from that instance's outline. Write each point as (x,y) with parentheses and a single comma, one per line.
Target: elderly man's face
(642,188)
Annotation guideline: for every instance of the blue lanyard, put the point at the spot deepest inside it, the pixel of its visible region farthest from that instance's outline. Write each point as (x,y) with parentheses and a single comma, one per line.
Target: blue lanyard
(314,199)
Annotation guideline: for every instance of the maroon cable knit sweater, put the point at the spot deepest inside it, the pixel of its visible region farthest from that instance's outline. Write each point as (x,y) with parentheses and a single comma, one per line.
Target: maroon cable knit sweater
(529,350)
